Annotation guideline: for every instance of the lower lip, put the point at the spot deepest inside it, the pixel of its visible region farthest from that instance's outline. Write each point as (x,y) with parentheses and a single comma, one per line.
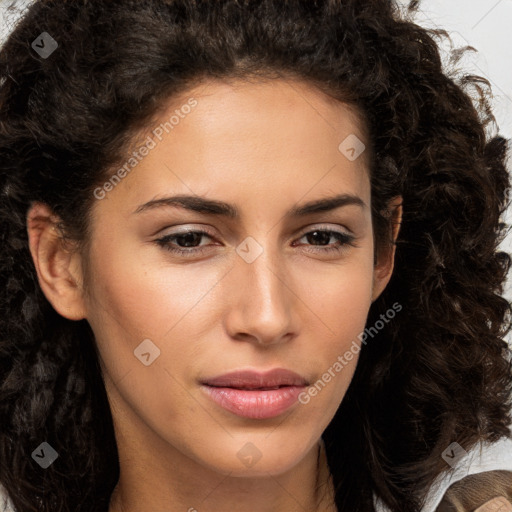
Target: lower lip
(255,404)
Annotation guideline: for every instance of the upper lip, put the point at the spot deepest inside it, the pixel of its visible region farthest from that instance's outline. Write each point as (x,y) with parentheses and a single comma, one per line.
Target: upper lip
(252,379)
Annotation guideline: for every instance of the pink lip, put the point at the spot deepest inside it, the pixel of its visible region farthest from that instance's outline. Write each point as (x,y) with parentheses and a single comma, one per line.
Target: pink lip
(238,392)
(252,379)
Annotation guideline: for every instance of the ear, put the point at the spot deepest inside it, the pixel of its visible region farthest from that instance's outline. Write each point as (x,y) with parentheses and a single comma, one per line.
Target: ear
(58,265)
(384,265)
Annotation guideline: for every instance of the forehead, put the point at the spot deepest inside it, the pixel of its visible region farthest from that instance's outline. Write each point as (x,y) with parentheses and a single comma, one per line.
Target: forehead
(298,105)
(271,139)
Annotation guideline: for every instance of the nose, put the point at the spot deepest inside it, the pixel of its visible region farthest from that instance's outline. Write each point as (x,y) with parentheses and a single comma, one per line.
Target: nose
(263,308)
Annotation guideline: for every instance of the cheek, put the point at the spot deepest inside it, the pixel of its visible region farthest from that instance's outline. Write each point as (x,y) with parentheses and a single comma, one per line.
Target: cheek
(344,299)
(134,300)
(341,294)
(138,292)
(341,302)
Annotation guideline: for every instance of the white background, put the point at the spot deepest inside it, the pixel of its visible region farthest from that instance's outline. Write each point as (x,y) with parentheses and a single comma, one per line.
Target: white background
(483,24)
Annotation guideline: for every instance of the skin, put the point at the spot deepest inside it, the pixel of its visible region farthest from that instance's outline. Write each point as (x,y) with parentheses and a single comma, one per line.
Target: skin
(264,148)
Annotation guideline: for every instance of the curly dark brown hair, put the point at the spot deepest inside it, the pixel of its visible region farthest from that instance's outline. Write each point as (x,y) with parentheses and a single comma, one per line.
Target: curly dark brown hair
(440,372)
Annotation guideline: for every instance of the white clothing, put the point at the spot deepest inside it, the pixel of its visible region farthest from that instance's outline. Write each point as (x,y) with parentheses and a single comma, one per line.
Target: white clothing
(483,457)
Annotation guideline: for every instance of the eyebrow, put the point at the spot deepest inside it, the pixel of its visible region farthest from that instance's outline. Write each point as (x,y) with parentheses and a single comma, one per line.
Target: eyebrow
(213,207)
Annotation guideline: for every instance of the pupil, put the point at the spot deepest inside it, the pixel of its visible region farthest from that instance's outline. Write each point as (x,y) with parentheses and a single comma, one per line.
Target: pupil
(324,236)
(189,238)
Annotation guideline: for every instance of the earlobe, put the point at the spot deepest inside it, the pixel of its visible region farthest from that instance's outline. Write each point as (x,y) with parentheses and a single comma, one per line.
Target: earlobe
(383,269)
(58,266)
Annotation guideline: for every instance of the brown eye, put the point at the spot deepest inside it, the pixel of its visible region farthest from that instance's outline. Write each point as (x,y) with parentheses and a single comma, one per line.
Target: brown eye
(323,236)
(183,243)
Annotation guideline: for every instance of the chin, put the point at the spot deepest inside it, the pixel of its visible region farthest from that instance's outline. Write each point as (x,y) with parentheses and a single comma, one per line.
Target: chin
(251,457)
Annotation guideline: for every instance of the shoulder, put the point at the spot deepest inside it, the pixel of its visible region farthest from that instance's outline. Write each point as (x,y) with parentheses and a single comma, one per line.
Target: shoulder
(487,466)
(483,492)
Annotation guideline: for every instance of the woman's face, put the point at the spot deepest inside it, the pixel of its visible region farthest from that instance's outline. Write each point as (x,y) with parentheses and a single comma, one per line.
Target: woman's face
(272,283)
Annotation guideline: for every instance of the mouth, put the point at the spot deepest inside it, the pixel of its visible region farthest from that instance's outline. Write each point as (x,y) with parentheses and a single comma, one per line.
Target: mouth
(255,395)
(252,388)
(251,379)
(255,403)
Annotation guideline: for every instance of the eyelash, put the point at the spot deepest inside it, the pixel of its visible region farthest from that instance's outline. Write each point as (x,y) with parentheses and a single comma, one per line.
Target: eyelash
(344,239)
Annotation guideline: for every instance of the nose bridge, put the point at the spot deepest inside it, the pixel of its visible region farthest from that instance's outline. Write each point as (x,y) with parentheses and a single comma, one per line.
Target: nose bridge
(263,300)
